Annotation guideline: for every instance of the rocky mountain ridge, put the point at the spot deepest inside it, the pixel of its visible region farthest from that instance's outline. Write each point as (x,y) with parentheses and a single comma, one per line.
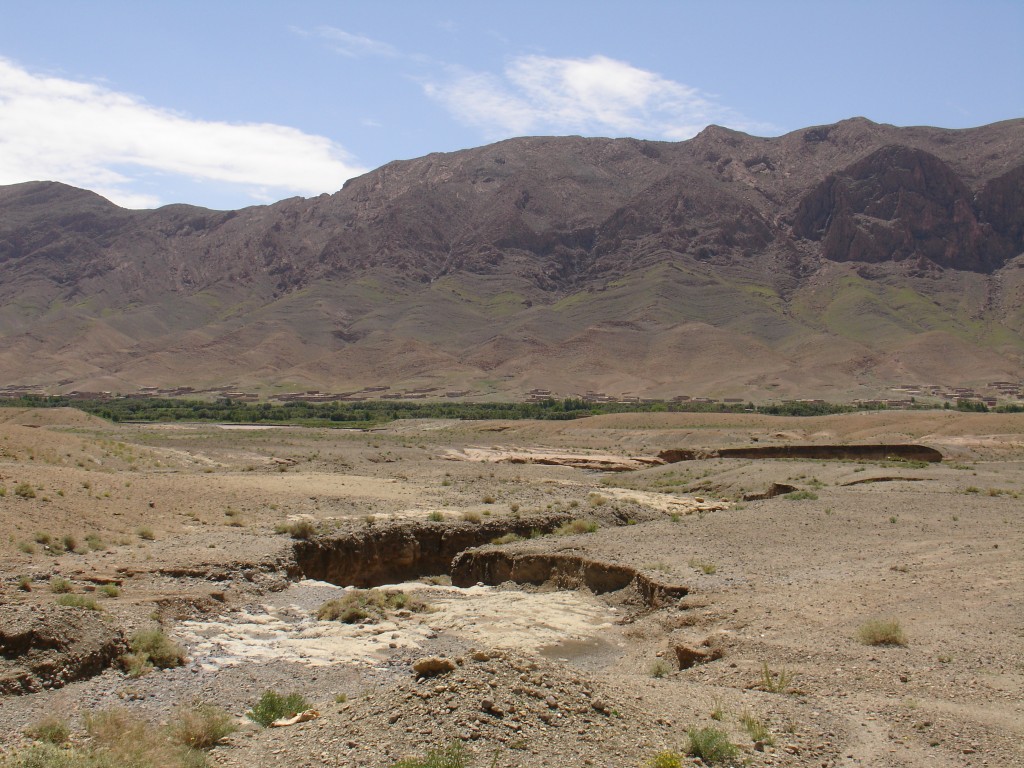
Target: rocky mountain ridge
(834,259)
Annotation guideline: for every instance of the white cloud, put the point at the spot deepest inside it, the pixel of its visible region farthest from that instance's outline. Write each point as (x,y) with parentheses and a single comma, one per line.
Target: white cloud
(90,136)
(594,96)
(354,46)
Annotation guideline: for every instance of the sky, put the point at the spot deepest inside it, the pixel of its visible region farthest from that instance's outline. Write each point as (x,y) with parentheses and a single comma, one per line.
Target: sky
(229,103)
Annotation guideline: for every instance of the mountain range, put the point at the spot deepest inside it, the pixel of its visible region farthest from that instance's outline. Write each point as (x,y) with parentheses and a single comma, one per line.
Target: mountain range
(834,261)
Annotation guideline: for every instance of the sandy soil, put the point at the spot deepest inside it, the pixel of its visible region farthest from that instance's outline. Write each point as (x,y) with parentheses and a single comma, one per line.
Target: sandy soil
(184,520)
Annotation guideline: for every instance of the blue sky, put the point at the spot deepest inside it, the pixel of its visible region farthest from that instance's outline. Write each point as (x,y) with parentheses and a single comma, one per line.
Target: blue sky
(226,103)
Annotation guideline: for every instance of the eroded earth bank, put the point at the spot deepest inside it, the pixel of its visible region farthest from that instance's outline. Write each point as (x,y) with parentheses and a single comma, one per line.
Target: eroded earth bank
(578,601)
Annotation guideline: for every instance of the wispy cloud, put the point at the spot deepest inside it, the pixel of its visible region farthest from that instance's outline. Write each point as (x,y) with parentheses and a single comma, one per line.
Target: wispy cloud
(593,96)
(91,136)
(355,46)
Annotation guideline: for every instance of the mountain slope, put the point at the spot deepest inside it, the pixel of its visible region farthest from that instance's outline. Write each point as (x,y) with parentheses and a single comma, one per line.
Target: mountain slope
(831,261)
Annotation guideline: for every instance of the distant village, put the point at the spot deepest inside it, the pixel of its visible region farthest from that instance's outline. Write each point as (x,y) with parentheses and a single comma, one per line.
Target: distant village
(910,395)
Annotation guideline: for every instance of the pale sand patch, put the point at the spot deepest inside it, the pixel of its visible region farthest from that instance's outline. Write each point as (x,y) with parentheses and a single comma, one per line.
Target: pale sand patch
(299,484)
(481,615)
(670,504)
(498,455)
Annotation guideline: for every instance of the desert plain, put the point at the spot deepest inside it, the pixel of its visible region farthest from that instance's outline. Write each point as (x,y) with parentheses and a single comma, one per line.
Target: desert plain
(629,601)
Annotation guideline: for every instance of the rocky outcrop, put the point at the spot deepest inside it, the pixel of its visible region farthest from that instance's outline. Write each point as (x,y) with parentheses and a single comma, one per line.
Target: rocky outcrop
(890,452)
(901,203)
(45,647)
(566,571)
(388,554)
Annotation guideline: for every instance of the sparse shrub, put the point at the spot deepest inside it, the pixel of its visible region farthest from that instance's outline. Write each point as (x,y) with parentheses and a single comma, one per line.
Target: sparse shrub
(577,526)
(273,706)
(146,533)
(79,601)
(25,583)
(513,507)
(597,500)
(882,632)
(152,648)
(801,496)
(368,605)
(436,516)
(110,590)
(41,537)
(25,491)
(659,669)
(972,489)
(711,745)
(704,566)
(773,682)
(472,516)
(70,542)
(297,529)
(3,491)
(488,499)
(95,543)
(667,759)
(59,585)
(508,538)
(50,730)
(201,726)
(675,517)
(341,698)
(452,756)
(27,547)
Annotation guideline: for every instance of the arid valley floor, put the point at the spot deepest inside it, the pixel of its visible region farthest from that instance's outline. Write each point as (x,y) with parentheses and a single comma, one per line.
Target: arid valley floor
(767,595)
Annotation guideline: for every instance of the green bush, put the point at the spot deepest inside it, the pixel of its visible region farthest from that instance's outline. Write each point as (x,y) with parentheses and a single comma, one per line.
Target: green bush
(576,526)
(51,730)
(667,759)
(273,706)
(201,726)
(882,632)
(711,745)
(25,491)
(368,605)
(152,648)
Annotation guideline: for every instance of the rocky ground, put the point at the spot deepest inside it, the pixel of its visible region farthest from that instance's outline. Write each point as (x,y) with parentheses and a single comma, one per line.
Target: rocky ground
(751,626)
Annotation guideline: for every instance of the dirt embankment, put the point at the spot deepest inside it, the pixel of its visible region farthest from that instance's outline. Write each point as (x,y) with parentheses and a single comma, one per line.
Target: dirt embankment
(395,553)
(497,566)
(899,452)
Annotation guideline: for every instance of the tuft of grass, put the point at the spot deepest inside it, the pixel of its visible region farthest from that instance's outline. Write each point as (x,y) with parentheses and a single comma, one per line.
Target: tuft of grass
(801,496)
(577,526)
(69,542)
(201,726)
(146,533)
(298,529)
(472,516)
(508,538)
(152,648)
(25,583)
(95,543)
(27,547)
(25,491)
(59,585)
(659,669)
(718,712)
(488,499)
(452,756)
(436,516)
(79,601)
(882,632)
(972,489)
(711,745)
(368,606)
(596,499)
(756,729)
(50,730)
(704,566)
(273,706)
(775,682)
(110,590)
